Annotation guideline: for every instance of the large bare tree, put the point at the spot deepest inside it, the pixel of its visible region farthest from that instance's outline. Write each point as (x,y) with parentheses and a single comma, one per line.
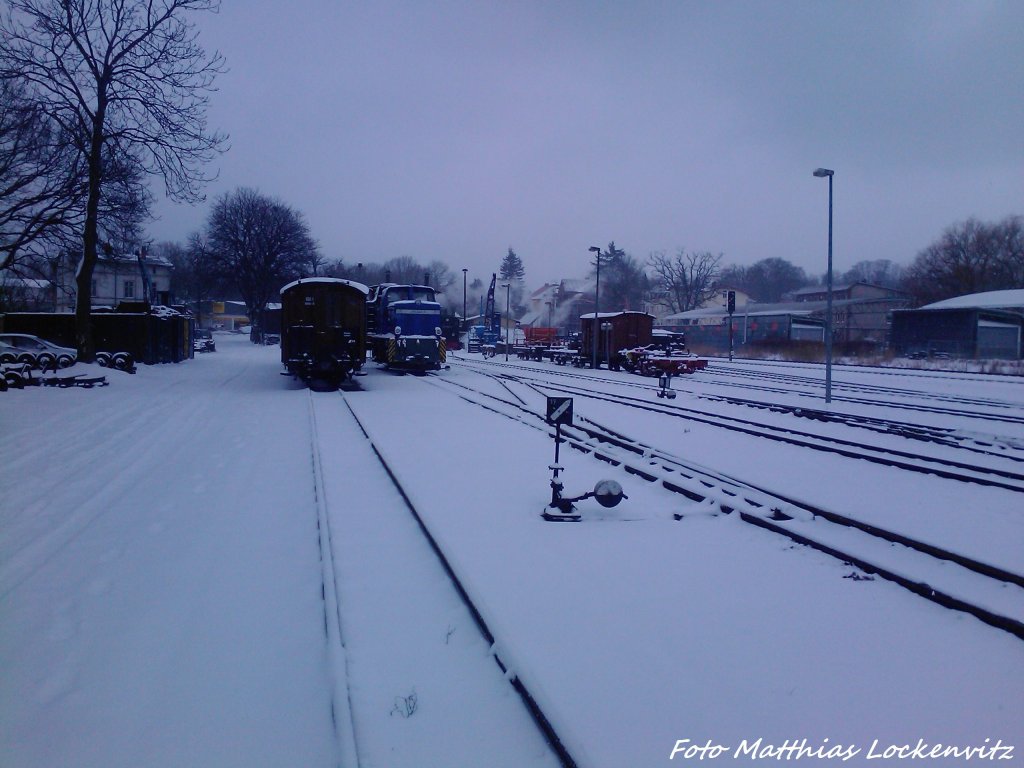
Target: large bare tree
(127,82)
(259,244)
(684,281)
(37,179)
(969,257)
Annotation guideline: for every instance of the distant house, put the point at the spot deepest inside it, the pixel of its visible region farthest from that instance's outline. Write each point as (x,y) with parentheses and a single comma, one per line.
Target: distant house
(540,309)
(657,303)
(860,315)
(860,311)
(559,305)
(116,278)
(751,324)
(224,315)
(25,294)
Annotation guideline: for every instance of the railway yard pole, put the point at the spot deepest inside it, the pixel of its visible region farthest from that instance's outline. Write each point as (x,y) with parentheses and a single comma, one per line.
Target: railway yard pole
(508,293)
(822,173)
(597,297)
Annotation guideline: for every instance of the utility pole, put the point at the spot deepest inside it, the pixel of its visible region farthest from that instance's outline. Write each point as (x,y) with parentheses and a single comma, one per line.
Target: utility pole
(597,300)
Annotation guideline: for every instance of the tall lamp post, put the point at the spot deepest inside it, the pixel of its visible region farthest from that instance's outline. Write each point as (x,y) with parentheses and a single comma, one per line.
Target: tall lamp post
(465,325)
(597,299)
(508,292)
(822,173)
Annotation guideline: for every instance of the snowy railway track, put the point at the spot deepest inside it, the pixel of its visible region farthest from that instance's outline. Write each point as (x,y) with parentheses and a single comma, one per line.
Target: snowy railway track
(949,469)
(341,702)
(906,429)
(1000,410)
(991,594)
(342,707)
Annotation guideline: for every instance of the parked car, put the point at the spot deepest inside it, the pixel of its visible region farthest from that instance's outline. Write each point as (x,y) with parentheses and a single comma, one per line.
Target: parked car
(38,352)
(203,341)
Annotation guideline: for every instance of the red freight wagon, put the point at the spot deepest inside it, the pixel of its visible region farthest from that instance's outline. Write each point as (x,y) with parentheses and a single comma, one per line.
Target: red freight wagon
(616,333)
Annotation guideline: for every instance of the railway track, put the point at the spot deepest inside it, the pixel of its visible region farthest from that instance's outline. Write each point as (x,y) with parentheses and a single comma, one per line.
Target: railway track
(342,709)
(949,469)
(991,594)
(1001,410)
(923,408)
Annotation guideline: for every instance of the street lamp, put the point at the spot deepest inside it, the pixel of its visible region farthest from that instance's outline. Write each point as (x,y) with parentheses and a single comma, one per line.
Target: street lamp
(508,293)
(822,173)
(597,297)
(465,325)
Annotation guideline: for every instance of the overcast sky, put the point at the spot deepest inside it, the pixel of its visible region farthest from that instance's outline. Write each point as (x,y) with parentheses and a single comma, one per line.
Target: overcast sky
(455,130)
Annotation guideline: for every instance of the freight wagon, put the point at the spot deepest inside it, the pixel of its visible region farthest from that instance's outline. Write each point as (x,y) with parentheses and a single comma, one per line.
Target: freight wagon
(616,332)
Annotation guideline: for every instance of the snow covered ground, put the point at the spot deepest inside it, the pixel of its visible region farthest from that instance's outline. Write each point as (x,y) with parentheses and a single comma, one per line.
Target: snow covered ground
(163,601)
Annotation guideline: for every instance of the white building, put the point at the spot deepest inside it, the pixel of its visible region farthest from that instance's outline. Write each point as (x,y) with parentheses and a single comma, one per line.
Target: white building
(117,278)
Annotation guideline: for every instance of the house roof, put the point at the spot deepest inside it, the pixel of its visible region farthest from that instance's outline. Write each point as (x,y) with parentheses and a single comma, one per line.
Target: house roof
(133,260)
(783,308)
(987,300)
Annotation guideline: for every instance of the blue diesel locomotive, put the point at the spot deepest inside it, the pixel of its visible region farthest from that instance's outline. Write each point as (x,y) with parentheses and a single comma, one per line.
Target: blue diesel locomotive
(404,327)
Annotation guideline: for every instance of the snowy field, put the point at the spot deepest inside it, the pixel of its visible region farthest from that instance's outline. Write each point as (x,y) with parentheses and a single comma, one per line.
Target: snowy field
(205,564)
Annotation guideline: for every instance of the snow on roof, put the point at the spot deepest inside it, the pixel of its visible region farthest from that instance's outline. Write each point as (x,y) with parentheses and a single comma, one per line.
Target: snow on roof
(151,259)
(985,300)
(353,283)
(589,315)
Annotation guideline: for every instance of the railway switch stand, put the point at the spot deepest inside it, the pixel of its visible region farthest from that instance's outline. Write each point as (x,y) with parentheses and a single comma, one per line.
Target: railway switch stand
(608,493)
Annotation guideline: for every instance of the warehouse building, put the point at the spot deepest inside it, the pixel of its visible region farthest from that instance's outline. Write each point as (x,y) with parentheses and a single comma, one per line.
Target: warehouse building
(986,325)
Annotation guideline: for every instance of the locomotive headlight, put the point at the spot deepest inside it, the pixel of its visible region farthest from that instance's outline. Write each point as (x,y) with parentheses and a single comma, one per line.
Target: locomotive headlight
(437,330)
(398,330)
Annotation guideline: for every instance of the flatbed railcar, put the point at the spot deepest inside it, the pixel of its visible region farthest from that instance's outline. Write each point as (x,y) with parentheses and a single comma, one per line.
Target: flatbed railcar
(404,327)
(323,328)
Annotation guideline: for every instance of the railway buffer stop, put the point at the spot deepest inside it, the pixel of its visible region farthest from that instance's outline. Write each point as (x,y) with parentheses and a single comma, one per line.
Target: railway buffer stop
(607,492)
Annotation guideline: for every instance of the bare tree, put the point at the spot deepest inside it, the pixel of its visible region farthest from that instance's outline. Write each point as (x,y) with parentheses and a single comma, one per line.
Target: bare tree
(876,272)
(404,269)
(258,244)
(969,257)
(441,276)
(195,278)
(37,179)
(768,280)
(1009,244)
(685,281)
(124,80)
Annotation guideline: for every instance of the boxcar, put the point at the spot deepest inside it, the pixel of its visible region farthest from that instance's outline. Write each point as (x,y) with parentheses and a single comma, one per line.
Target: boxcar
(323,328)
(624,330)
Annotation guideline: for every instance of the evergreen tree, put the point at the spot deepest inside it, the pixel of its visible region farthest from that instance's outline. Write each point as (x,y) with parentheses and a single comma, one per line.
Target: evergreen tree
(623,281)
(511,267)
(512,271)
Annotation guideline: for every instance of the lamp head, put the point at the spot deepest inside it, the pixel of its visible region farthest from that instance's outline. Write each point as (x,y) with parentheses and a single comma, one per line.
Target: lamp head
(823,172)
(594,249)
